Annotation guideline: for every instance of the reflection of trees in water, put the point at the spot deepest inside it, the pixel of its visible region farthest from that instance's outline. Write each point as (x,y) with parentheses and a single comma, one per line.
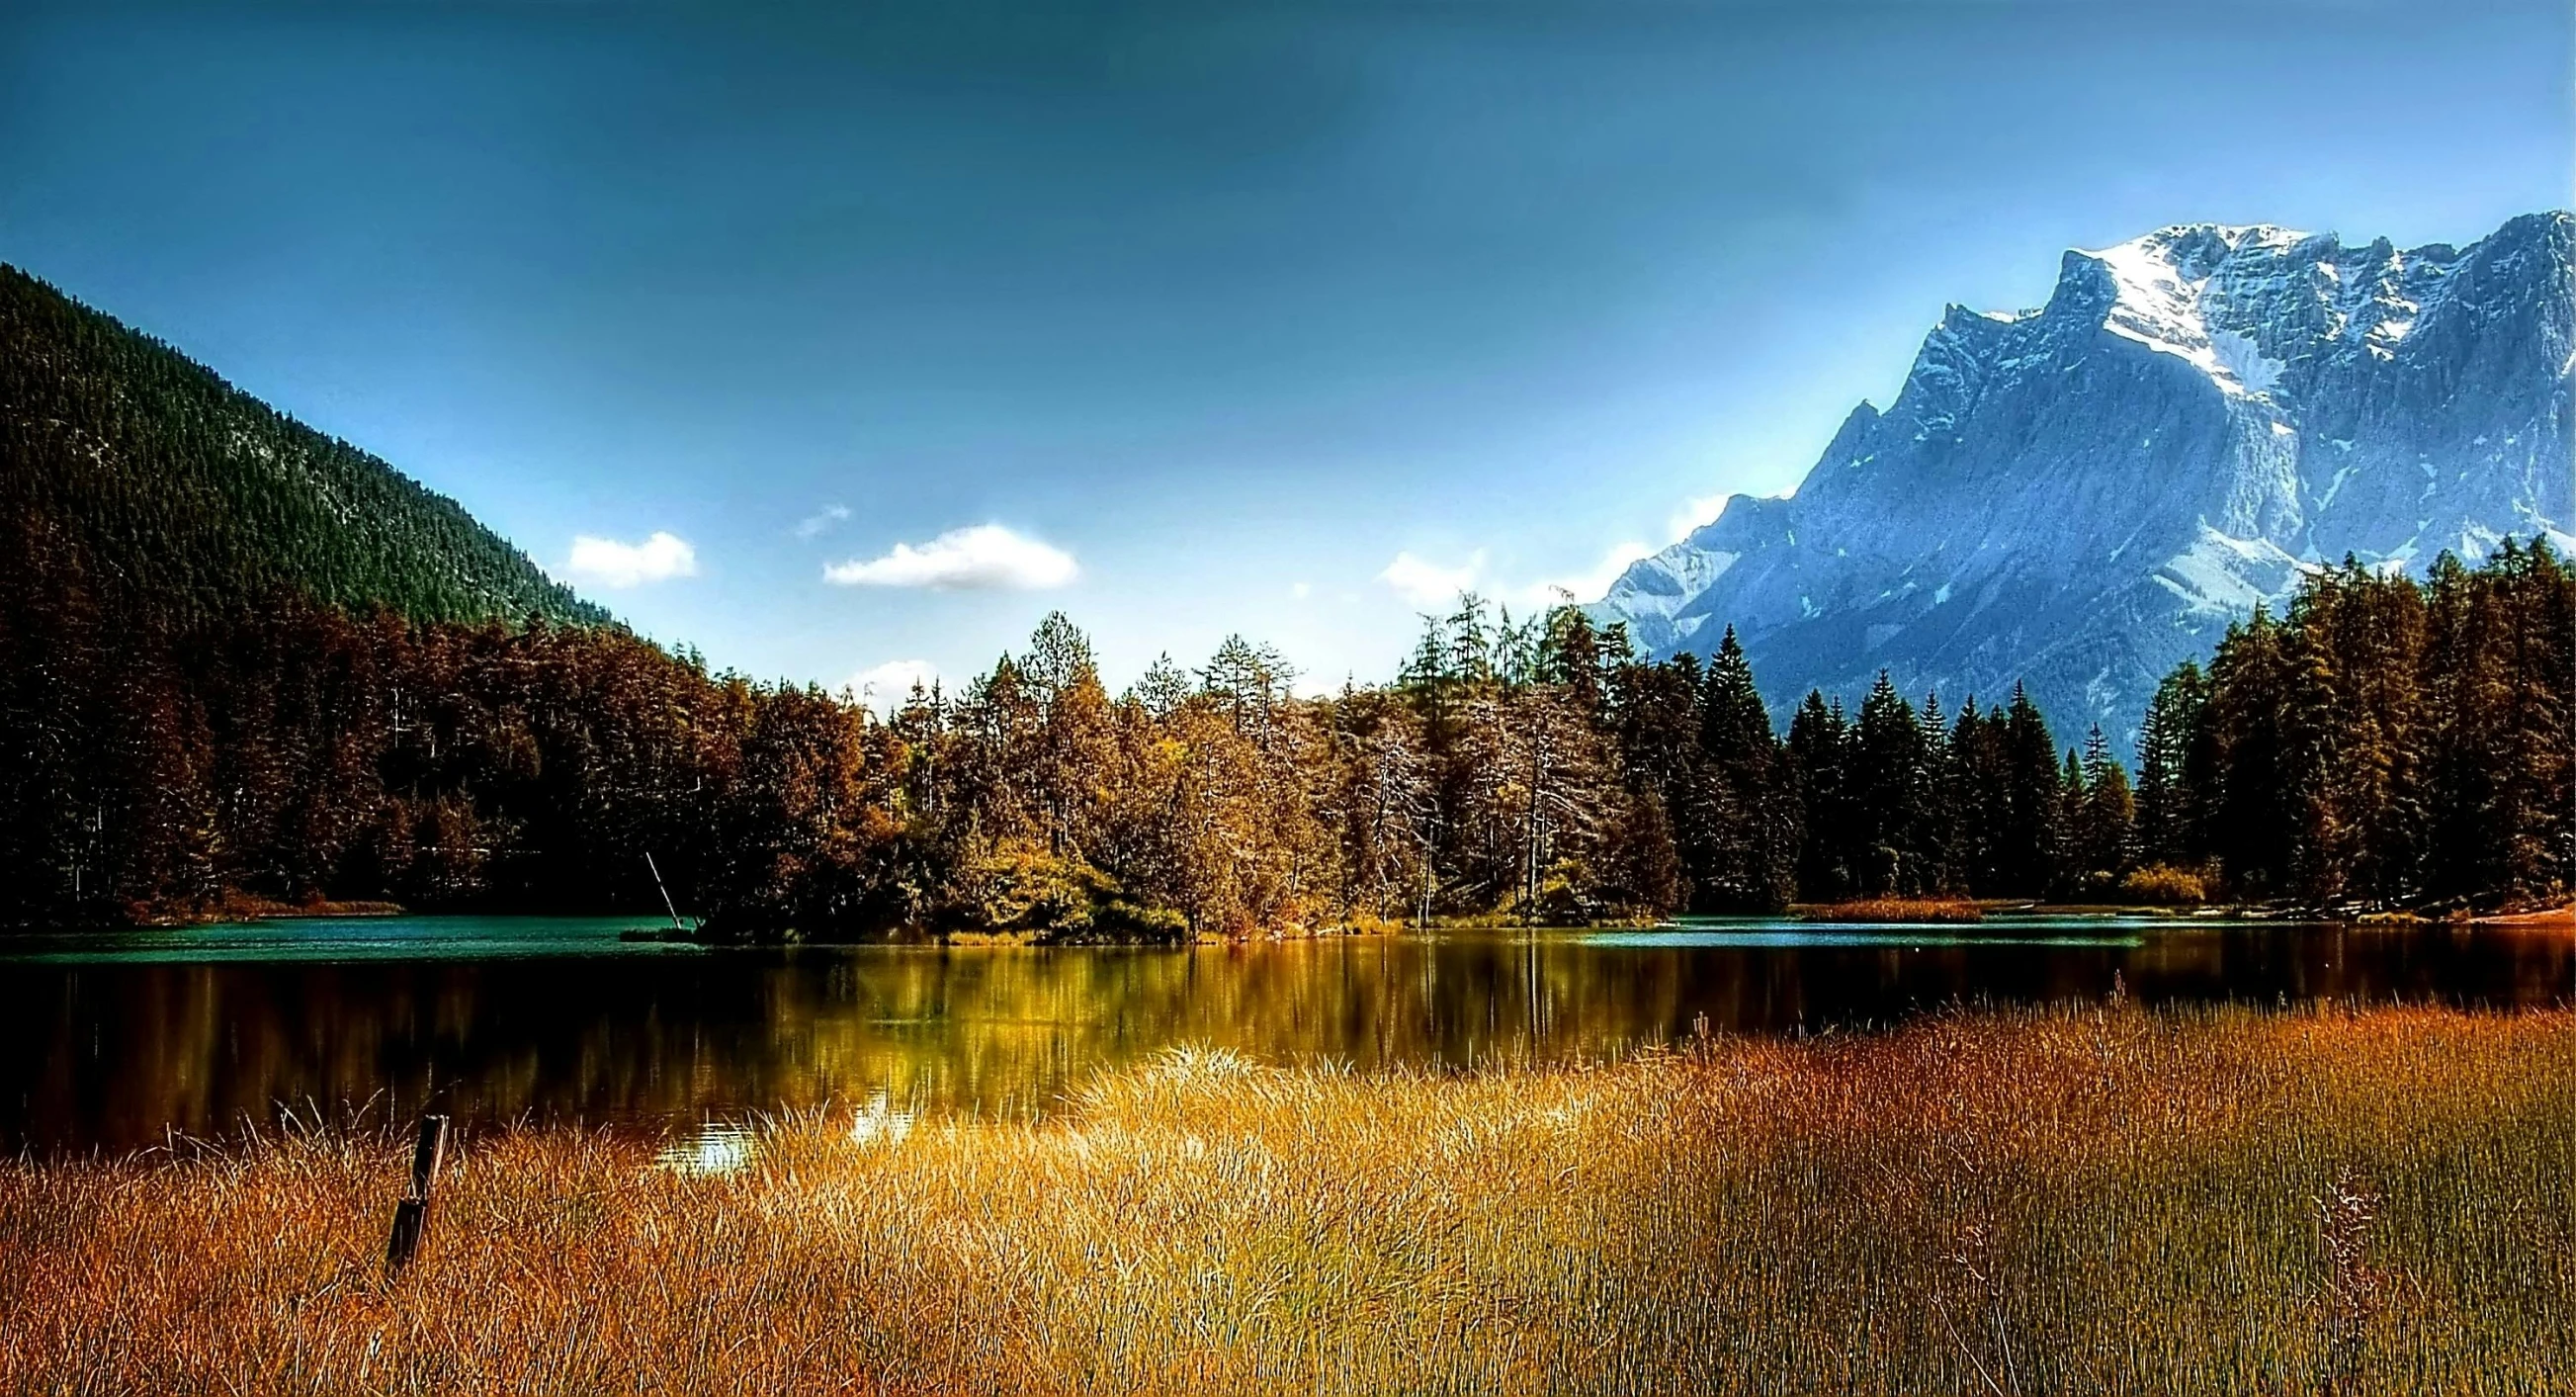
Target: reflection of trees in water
(111,1054)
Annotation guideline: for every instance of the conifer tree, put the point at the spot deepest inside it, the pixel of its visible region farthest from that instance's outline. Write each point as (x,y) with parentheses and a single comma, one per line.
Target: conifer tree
(2026,855)
(1471,641)
(1889,785)
(1936,838)
(2109,820)
(1819,758)
(1973,797)
(1757,820)
(2168,808)
(2071,799)
(1570,656)
(2253,796)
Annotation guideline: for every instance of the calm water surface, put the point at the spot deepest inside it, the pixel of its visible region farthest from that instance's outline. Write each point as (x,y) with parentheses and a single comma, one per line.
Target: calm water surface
(114,1039)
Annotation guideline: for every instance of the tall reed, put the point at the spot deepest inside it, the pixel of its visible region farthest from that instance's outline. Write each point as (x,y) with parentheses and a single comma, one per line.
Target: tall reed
(2121,1201)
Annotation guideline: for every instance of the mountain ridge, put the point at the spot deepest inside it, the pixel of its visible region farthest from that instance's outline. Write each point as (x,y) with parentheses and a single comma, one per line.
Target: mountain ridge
(2080,495)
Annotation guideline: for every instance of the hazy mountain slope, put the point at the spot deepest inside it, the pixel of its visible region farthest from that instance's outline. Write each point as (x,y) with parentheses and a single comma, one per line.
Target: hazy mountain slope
(2082,495)
(166,488)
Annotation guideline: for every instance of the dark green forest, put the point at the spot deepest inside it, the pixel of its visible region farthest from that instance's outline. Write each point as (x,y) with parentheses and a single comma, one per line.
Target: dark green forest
(240,661)
(189,498)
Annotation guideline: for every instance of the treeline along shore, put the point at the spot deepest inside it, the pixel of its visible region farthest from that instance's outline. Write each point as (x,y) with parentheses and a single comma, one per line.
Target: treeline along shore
(2384,743)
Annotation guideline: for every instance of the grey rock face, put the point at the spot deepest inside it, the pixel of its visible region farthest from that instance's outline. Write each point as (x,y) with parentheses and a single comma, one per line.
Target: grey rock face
(2081,496)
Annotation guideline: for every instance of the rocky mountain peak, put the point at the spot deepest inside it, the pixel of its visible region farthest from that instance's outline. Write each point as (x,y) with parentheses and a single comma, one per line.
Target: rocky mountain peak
(2083,494)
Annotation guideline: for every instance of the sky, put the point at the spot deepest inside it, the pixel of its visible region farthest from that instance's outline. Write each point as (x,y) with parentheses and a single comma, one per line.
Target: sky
(843,341)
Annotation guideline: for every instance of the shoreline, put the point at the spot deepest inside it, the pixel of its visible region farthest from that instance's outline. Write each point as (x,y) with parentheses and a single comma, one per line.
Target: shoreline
(1961,915)
(247,908)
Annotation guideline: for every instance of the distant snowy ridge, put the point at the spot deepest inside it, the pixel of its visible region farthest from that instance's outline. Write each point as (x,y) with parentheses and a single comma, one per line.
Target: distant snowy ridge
(2083,495)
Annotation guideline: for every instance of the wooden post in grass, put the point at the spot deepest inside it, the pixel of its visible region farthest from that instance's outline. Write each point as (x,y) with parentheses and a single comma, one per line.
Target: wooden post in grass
(411,1215)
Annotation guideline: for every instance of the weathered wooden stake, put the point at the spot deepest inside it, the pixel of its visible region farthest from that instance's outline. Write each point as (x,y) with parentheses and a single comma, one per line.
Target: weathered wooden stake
(411,1215)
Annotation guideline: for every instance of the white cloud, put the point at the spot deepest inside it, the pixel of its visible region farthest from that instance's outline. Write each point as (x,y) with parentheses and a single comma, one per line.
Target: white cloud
(822,520)
(1299,591)
(885,687)
(984,557)
(1586,586)
(1426,583)
(1429,584)
(610,563)
(1699,510)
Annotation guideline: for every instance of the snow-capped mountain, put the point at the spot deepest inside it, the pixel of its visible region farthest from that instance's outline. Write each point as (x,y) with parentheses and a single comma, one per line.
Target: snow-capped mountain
(2083,495)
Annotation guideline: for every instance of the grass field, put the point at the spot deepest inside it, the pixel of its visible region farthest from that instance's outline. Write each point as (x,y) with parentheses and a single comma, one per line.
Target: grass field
(2122,1201)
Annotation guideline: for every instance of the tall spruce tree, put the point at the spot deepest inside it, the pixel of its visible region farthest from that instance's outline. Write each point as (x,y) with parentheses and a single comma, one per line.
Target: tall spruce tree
(2026,855)
(2108,827)
(1889,784)
(2070,824)
(1759,830)
(1819,757)
(2253,793)
(2167,804)
(1937,834)
(1974,796)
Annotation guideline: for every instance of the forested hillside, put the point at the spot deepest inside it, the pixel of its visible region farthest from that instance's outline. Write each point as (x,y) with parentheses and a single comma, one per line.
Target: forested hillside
(171,495)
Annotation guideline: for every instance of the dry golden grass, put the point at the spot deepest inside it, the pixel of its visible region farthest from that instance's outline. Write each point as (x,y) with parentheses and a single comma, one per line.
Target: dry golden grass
(1954,910)
(2115,1202)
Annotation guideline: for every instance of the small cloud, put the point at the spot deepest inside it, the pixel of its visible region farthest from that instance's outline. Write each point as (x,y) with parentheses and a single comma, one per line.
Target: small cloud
(1700,510)
(1299,591)
(610,563)
(822,520)
(885,687)
(1587,586)
(1426,583)
(985,557)
(1429,584)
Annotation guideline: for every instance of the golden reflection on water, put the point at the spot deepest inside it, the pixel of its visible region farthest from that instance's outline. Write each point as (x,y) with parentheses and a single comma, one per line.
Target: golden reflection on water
(880,1122)
(715,1147)
(115,1054)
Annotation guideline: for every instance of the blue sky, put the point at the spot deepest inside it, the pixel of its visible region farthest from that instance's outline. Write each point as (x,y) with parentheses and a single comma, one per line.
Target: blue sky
(1186,318)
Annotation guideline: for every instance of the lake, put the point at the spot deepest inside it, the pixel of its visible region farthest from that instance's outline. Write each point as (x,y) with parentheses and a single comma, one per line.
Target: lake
(113,1039)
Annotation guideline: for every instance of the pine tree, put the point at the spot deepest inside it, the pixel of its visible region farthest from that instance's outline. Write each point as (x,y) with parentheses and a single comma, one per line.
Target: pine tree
(2109,815)
(1757,823)
(1471,641)
(1937,835)
(2534,594)
(1973,796)
(2168,807)
(1570,656)
(2460,780)
(2252,792)
(1250,682)
(1889,782)
(1819,757)
(2026,855)
(2071,799)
